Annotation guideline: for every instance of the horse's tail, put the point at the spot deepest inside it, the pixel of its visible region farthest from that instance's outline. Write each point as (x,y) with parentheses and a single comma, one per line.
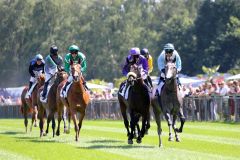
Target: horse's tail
(24,105)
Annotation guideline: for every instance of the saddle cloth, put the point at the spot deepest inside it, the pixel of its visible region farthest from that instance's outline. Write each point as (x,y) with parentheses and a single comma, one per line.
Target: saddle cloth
(41,98)
(28,95)
(124,91)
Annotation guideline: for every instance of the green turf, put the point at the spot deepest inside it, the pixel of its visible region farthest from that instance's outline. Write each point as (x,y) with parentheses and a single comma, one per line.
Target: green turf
(107,140)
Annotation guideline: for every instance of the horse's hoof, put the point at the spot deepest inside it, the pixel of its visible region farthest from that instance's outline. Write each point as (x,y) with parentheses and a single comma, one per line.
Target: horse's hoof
(57,133)
(130,141)
(139,141)
(178,140)
(160,145)
(170,139)
(35,125)
(44,134)
(146,132)
(178,130)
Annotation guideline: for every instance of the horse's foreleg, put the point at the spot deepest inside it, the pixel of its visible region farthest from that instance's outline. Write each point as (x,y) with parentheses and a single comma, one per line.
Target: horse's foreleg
(53,124)
(174,128)
(125,119)
(147,124)
(35,116)
(168,118)
(41,121)
(80,122)
(74,117)
(132,126)
(48,121)
(25,121)
(182,119)
(59,122)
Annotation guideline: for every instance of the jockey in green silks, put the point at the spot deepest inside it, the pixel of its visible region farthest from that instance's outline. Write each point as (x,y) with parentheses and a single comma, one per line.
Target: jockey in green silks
(74,56)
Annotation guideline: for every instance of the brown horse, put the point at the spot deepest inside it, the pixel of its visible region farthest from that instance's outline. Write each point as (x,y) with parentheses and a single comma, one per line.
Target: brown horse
(77,98)
(29,105)
(171,100)
(138,104)
(51,106)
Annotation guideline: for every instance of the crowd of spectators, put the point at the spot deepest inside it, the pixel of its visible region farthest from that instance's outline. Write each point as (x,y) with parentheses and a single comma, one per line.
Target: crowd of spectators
(213,100)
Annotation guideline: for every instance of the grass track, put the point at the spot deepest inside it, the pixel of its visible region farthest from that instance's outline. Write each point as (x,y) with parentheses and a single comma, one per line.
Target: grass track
(107,140)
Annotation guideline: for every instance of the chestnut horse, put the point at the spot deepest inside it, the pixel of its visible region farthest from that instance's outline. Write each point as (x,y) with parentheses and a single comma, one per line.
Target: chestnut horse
(51,105)
(138,104)
(29,105)
(77,98)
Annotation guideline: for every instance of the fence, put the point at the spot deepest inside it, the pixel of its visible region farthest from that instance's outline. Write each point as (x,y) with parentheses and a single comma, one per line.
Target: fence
(203,108)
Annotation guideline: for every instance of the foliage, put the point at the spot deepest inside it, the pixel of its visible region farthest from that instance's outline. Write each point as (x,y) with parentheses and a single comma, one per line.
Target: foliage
(203,32)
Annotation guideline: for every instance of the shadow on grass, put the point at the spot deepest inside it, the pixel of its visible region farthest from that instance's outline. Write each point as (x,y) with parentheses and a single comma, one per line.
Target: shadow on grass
(107,146)
(12,133)
(37,140)
(104,141)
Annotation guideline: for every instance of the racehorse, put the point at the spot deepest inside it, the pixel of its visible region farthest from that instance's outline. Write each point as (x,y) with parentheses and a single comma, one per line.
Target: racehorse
(171,100)
(29,104)
(138,104)
(51,105)
(77,98)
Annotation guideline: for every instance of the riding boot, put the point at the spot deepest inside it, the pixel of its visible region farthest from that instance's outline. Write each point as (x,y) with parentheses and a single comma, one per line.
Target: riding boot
(85,85)
(149,81)
(30,85)
(45,90)
(65,87)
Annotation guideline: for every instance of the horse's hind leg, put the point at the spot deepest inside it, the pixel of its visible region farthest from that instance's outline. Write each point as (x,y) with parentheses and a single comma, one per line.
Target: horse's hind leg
(35,116)
(168,118)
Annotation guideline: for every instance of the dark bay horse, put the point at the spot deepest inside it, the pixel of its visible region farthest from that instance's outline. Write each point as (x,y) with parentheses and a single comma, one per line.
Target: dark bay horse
(50,107)
(77,98)
(172,100)
(138,104)
(29,105)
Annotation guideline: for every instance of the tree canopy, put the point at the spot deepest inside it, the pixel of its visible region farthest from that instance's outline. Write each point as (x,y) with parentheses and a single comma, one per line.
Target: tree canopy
(204,32)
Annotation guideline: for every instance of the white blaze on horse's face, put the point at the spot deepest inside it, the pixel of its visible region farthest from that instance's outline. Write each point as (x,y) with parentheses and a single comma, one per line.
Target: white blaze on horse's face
(170,70)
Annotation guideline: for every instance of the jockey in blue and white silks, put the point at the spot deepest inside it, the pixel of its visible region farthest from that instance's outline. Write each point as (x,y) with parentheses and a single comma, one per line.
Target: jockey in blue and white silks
(168,54)
(36,67)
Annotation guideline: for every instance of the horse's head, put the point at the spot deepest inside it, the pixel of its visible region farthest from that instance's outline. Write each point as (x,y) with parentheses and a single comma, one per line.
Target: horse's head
(60,76)
(136,73)
(40,77)
(170,71)
(76,72)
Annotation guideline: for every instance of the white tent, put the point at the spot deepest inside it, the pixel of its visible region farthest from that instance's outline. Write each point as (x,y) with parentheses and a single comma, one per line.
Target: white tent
(233,77)
(191,81)
(97,86)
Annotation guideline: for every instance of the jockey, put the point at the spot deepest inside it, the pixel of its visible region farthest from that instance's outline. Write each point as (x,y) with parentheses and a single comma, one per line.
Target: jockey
(135,57)
(53,63)
(149,58)
(36,66)
(74,56)
(168,54)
